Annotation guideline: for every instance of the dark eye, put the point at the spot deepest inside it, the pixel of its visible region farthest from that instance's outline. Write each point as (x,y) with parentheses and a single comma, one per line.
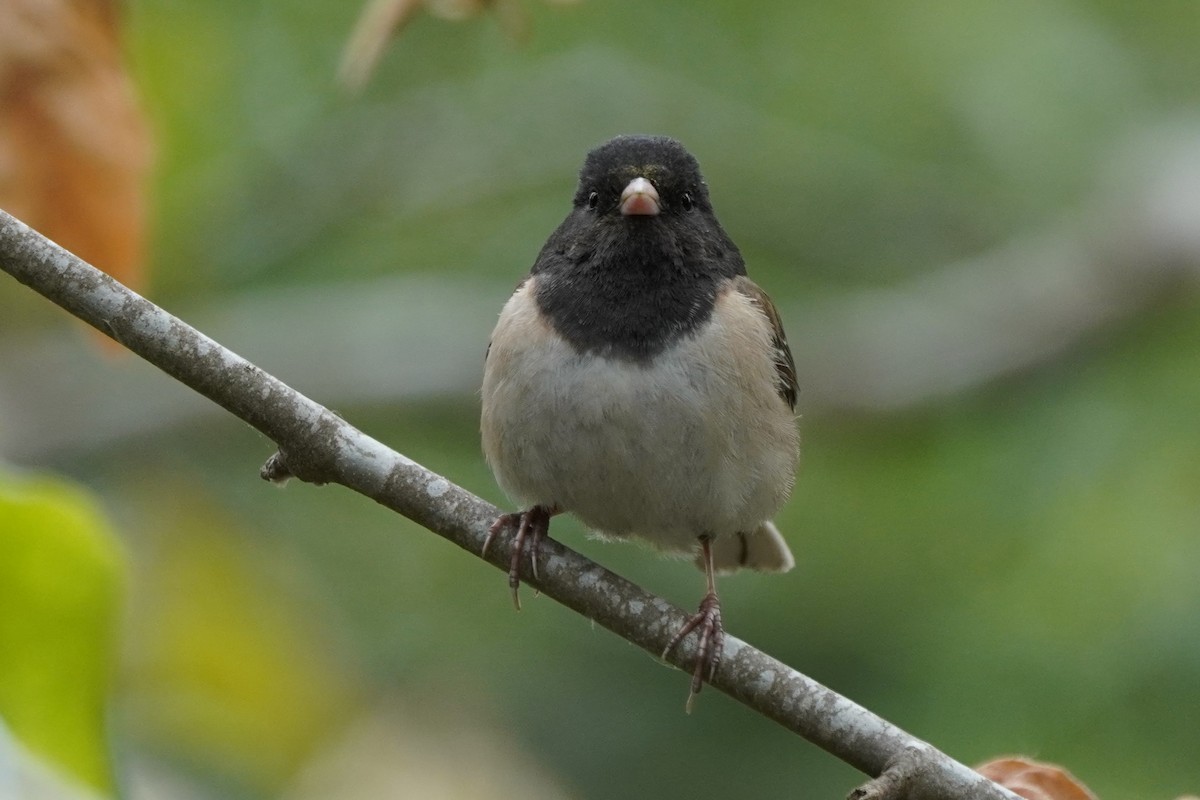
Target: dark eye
(593,199)
(687,201)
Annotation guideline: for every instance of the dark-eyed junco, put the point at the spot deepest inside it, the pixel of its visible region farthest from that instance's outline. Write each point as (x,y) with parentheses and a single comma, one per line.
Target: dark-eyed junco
(640,381)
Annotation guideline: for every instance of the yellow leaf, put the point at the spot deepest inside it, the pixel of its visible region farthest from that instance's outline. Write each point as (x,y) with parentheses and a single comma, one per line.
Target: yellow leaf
(61,581)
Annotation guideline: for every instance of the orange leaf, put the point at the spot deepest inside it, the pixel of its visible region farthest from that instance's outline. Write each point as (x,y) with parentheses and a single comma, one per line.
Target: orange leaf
(1034,780)
(74,147)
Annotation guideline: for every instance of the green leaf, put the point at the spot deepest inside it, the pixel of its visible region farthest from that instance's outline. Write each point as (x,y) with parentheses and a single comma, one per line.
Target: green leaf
(61,577)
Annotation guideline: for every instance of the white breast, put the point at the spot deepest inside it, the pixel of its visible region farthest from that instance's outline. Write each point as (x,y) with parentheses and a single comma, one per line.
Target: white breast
(698,442)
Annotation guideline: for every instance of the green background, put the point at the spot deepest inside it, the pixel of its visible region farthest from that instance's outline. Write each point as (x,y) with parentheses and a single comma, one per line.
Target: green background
(1006,563)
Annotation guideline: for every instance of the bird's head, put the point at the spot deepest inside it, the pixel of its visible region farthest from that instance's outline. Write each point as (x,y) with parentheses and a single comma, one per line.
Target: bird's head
(641,178)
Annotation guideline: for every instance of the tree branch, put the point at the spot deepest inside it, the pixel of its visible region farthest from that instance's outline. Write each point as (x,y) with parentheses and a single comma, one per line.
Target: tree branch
(319,447)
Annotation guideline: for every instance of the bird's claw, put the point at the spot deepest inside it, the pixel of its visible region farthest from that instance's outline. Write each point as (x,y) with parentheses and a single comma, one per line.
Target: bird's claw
(711,647)
(531,527)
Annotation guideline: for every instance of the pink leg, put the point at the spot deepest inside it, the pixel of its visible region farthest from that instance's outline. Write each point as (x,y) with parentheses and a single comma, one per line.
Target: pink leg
(712,635)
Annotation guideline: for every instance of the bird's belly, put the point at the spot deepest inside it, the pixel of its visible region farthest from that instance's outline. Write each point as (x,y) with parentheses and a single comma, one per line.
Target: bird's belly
(656,451)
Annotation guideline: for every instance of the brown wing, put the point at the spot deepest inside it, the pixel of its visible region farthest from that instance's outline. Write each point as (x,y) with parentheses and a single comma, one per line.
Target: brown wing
(785,368)
(521,283)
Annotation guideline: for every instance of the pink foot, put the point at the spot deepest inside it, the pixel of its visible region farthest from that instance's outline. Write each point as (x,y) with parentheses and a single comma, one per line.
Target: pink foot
(531,527)
(712,643)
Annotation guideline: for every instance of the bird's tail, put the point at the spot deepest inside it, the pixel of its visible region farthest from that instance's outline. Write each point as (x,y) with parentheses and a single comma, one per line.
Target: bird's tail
(763,549)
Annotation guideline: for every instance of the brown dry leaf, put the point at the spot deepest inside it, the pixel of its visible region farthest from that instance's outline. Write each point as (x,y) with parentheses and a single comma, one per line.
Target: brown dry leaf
(1034,780)
(74,147)
(379,21)
(382,20)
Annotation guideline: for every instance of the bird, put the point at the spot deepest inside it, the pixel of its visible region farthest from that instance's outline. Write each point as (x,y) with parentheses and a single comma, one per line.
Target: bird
(638,380)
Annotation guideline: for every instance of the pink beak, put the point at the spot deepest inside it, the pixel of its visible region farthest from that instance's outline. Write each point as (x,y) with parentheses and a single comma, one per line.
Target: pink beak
(640,197)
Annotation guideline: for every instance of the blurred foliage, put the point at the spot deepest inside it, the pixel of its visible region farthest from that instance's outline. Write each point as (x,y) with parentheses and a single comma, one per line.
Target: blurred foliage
(62,572)
(231,664)
(1009,570)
